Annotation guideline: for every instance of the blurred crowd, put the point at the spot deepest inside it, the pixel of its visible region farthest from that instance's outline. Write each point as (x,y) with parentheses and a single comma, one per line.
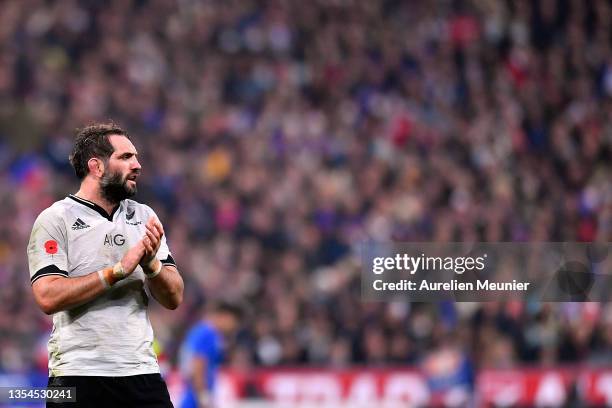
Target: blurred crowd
(275,136)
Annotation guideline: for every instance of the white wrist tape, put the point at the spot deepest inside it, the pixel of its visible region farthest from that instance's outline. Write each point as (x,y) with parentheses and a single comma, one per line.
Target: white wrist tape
(156,271)
(118,271)
(103,279)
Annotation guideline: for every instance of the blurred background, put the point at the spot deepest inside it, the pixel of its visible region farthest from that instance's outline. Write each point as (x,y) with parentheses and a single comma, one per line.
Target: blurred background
(275,136)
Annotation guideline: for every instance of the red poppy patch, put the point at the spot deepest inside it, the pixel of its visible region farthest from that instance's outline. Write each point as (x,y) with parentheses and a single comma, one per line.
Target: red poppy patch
(51,247)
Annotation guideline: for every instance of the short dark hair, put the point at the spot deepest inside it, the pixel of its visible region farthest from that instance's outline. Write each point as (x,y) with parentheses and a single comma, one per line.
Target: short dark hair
(92,141)
(229,307)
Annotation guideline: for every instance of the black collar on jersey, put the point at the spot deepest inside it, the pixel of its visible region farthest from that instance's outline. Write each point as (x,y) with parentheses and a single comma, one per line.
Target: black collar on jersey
(95,207)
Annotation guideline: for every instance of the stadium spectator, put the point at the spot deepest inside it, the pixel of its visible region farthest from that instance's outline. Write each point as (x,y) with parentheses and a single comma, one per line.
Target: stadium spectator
(286,132)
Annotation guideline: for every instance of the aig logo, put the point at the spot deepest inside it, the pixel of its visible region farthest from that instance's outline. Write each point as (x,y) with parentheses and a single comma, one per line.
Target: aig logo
(114,240)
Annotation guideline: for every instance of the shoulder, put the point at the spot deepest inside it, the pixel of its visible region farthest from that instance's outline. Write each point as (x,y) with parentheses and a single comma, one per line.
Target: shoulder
(200,331)
(209,333)
(202,339)
(54,214)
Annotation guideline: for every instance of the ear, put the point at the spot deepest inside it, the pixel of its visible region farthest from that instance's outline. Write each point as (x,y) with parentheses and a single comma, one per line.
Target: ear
(95,166)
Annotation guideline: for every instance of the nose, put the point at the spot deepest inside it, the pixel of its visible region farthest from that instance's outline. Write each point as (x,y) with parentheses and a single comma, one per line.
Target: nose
(135,164)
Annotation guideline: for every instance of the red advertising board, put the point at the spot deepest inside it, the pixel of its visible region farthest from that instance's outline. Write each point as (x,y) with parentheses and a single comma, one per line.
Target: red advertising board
(409,387)
(524,387)
(595,387)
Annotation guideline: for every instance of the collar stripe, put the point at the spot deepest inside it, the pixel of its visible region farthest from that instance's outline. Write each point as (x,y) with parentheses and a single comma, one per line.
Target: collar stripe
(95,207)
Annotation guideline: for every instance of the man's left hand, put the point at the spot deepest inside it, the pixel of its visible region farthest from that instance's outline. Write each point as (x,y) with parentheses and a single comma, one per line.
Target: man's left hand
(152,242)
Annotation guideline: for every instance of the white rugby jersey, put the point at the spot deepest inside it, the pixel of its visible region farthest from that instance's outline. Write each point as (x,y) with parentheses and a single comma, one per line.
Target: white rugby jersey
(110,335)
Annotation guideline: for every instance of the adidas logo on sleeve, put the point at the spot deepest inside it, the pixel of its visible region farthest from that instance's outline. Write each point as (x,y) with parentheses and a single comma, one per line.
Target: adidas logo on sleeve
(79,224)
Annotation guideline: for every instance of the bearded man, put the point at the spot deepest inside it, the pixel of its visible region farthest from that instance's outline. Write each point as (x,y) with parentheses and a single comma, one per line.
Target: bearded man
(94,259)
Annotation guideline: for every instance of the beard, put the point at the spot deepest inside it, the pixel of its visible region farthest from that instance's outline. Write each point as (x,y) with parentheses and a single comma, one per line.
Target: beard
(114,187)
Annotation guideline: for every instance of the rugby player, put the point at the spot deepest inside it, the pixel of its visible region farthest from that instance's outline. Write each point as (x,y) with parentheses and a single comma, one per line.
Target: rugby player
(95,258)
(202,353)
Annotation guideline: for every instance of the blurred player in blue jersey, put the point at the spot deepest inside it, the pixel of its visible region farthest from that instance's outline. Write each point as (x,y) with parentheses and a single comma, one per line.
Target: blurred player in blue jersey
(202,353)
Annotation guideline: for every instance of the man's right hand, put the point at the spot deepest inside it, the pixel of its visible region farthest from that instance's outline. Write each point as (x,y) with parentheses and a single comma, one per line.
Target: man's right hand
(123,268)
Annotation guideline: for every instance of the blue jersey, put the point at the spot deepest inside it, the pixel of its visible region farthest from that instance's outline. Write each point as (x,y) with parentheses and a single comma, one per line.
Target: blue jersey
(204,341)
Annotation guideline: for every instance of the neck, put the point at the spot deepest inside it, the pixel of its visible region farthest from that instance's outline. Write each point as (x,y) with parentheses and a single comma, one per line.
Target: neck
(91,191)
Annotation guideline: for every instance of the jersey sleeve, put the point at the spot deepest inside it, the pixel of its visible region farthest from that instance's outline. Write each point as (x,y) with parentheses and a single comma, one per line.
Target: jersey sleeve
(47,246)
(163,254)
(191,348)
(203,345)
